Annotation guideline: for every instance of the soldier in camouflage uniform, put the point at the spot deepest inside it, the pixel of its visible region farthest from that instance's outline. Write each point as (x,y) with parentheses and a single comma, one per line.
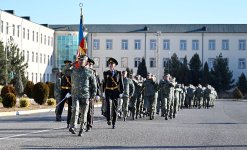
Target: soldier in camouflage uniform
(177,91)
(199,96)
(213,96)
(57,89)
(150,88)
(137,97)
(182,96)
(83,90)
(190,96)
(128,92)
(207,97)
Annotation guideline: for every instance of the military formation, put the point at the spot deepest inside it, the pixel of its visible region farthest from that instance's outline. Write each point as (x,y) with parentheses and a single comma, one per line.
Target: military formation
(122,96)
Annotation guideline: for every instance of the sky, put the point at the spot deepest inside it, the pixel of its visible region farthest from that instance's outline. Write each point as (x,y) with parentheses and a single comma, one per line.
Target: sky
(131,11)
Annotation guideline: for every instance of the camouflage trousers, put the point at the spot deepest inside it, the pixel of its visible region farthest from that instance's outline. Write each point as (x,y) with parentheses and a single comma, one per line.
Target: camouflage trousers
(82,105)
(125,106)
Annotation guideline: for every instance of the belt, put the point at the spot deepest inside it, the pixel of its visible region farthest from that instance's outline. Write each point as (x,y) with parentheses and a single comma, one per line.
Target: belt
(65,87)
(111,88)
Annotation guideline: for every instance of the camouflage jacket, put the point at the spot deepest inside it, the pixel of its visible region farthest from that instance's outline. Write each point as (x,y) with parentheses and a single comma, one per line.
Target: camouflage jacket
(129,87)
(83,83)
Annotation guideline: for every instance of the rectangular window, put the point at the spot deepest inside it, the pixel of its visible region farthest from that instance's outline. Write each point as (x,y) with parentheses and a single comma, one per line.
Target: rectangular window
(32,77)
(211,63)
(51,41)
(183,45)
(37,37)
(32,56)
(47,77)
(7,28)
(96,61)
(211,45)
(33,36)
(51,62)
(124,45)
(137,62)
(18,31)
(195,44)
(13,30)
(40,77)
(23,33)
(45,39)
(137,44)
(152,62)
(48,40)
(23,53)
(96,44)
(37,58)
(166,44)
(48,58)
(124,62)
(225,44)
(108,44)
(28,34)
(2,26)
(166,62)
(40,58)
(242,44)
(44,58)
(43,77)
(241,63)
(27,56)
(153,44)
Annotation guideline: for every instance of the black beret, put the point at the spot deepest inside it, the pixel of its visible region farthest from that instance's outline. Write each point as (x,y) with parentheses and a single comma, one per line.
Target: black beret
(67,61)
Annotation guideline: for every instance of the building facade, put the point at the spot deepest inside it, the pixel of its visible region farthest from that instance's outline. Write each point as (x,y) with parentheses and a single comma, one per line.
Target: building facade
(157,43)
(35,41)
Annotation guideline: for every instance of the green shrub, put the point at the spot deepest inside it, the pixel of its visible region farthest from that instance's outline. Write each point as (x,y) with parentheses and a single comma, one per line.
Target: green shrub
(28,90)
(51,89)
(9,100)
(237,94)
(24,102)
(40,93)
(51,102)
(8,89)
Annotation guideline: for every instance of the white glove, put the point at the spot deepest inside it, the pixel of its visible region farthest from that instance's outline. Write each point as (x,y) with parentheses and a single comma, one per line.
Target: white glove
(103,95)
(67,95)
(120,95)
(97,98)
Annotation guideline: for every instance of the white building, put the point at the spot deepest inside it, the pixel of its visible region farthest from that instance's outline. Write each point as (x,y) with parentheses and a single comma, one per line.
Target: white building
(129,43)
(35,42)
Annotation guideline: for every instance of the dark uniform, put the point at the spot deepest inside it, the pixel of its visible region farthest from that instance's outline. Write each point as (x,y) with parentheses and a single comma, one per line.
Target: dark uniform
(65,88)
(113,87)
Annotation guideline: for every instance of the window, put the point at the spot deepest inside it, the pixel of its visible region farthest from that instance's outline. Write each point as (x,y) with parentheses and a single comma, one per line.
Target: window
(109,44)
(47,77)
(13,30)
(37,37)
(40,77)
(2,26)
(7,28)
(51,61)
(241,63)
(23,53)
(40,57)
(37,58)
(23,33)
(48,40)
(152,62)
(242,45)
(96,43)
(166,44)
(45,39)
(36,77)
(32,56)
(27,56)
(18,31)
(211,63)
(137,44)
(51,41)
(97,62)
(32,77)
(211,45)
(137,62)
(183,45)
(166,62)
(48,58)
(152,44)
(225,44)
(124,62)
(124,45)
(43,77)
(41,38)
(33,36)
(44,58)
(195,44)
(28,34)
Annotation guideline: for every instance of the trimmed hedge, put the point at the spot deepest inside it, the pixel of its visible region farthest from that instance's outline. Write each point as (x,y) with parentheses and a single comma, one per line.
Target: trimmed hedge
(40,93)
(8,89)
(51,102)
(51,89)
(9,100)
(28,90)
(24,102)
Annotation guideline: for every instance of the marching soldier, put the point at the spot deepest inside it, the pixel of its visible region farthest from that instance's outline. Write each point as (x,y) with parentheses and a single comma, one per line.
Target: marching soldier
(83,90)
(65,88)
(113,88)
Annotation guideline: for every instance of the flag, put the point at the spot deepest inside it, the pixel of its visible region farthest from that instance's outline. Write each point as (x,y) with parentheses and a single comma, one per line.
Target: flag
(82,48)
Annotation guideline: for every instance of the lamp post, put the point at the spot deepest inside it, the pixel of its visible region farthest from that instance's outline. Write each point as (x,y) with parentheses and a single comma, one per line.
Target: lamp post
(158,34)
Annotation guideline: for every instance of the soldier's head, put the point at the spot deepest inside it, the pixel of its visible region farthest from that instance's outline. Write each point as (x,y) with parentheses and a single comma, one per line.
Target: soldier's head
(112,63)
(124,74)
(67,62)
(90,62)
(83,60)
(149,75)
(167,76)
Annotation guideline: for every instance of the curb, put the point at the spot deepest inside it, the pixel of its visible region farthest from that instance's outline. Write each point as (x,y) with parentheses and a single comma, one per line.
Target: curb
(26,112)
